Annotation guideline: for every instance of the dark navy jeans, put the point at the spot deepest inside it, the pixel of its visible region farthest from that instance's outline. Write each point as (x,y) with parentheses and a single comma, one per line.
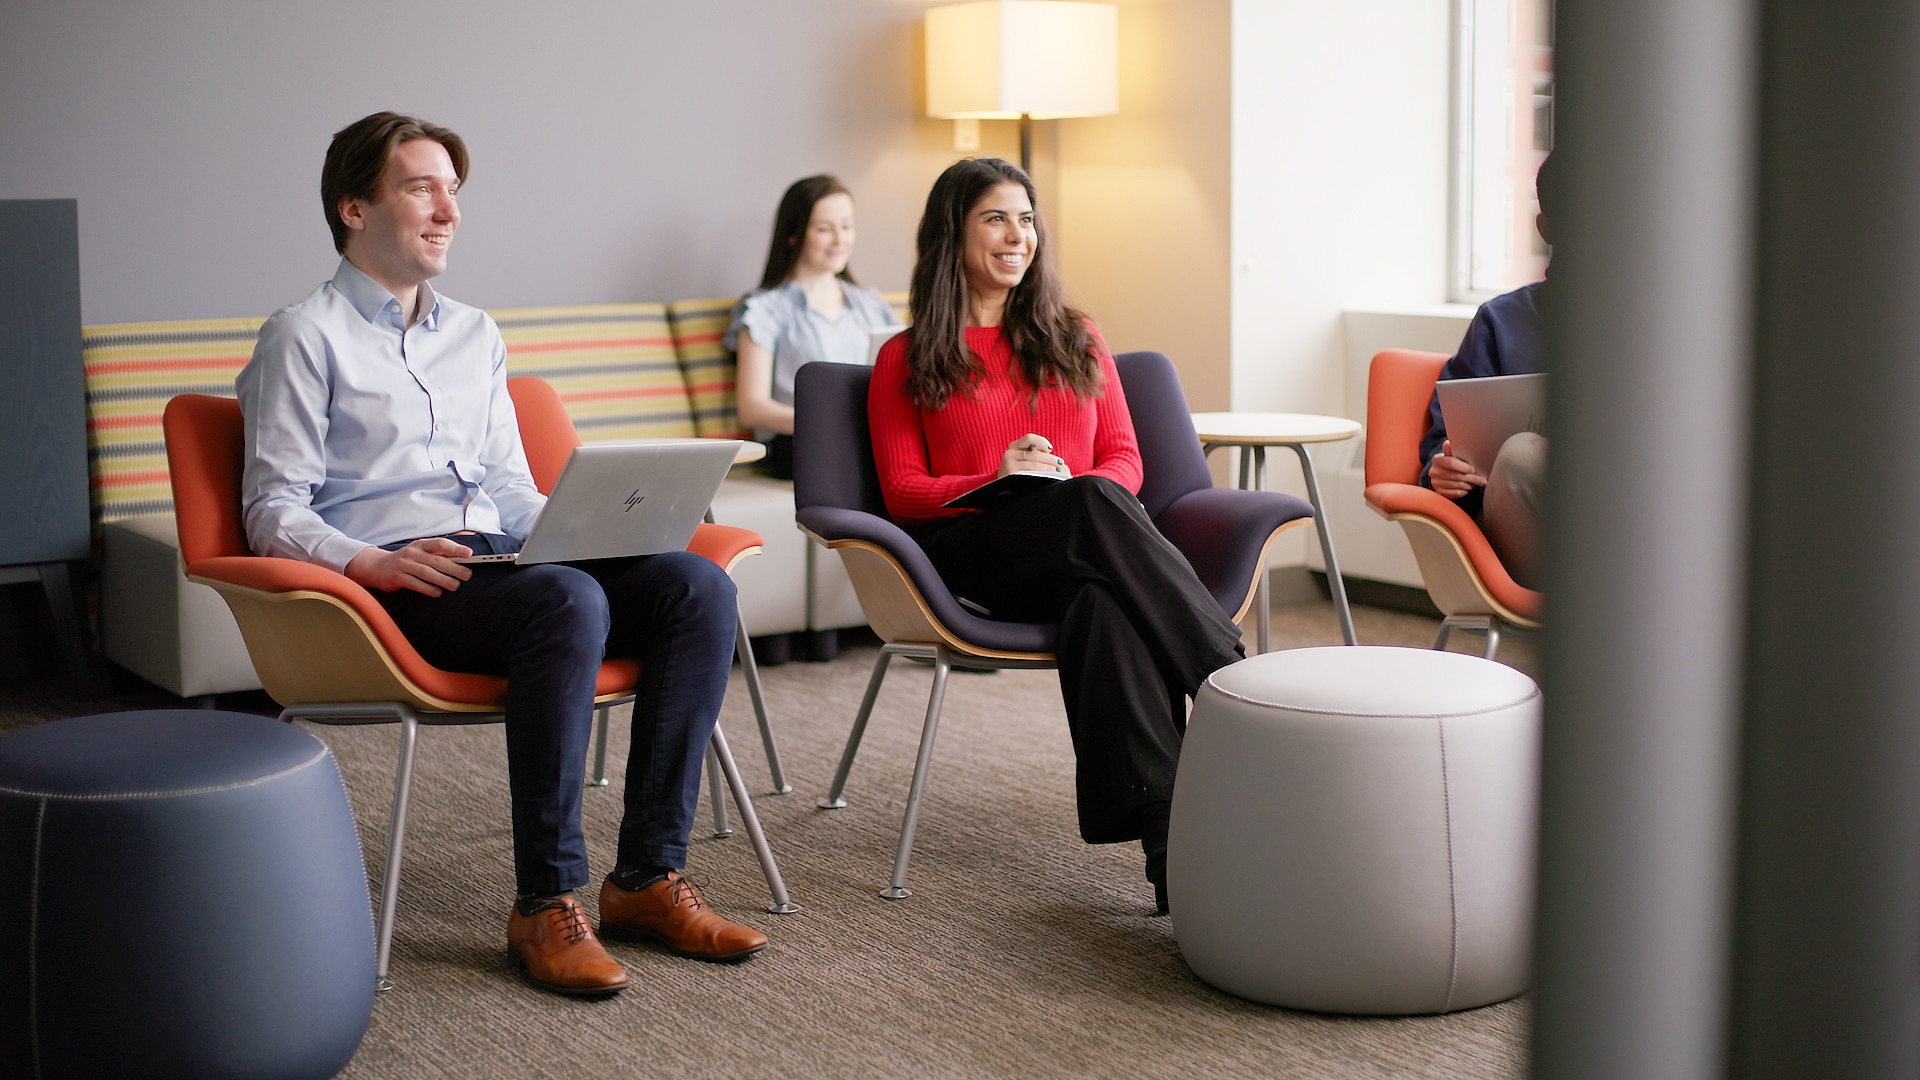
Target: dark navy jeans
(546,628)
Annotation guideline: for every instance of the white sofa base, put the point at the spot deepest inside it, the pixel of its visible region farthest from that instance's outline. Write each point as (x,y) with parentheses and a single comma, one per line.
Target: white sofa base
(174,633)
(769,602)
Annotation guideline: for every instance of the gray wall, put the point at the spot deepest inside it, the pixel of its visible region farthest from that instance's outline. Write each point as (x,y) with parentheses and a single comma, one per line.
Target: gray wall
(622,151)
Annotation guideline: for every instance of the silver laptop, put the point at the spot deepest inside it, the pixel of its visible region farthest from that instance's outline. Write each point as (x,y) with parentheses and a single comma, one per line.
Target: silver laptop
(619,499)
(1482,414)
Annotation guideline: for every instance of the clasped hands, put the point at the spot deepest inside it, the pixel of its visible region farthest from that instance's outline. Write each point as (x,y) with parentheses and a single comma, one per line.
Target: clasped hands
(1031,453)
(1452,476)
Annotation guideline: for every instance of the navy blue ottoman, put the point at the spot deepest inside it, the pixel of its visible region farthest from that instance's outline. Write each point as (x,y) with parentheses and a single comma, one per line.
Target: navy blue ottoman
(181,894)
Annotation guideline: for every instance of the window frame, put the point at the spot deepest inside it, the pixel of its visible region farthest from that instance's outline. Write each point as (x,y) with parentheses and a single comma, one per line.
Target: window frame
(1464,79)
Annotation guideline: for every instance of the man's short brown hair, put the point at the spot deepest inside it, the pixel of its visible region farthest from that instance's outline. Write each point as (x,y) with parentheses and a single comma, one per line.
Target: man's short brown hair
(358,155)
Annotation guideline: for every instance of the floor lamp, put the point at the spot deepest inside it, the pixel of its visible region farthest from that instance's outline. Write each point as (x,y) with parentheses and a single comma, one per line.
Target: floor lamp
(1023,60)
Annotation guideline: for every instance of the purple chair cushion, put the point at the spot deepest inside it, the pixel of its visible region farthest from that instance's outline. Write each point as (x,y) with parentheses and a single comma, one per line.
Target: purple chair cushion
(839,523)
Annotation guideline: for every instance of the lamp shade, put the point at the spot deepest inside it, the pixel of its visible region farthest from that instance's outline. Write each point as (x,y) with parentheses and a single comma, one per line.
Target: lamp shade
(999,59)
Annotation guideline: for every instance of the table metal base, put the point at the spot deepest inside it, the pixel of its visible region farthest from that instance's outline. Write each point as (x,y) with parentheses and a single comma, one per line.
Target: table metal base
(1253,477)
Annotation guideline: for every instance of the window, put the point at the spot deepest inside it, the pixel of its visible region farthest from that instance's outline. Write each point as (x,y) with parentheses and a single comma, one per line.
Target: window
(1502,130)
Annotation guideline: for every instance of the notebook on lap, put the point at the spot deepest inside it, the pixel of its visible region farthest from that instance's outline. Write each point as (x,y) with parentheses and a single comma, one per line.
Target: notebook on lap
(619,499)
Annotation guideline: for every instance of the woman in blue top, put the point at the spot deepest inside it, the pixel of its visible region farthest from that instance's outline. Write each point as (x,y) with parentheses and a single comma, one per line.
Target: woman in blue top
(807,308)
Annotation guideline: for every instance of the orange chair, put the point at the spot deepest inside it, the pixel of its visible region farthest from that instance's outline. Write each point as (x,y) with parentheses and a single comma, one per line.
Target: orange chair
(327,651)
(1463,575)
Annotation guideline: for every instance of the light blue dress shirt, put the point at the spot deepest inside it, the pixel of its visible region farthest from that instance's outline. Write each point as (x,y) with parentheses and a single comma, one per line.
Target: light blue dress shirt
(363,431)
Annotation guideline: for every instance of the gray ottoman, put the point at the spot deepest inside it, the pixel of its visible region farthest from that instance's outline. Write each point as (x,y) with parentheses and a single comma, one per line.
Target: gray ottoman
(1353,830)
(181,894)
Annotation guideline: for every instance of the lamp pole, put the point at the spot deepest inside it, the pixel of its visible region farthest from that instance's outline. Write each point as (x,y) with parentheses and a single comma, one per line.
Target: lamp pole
(1026,144)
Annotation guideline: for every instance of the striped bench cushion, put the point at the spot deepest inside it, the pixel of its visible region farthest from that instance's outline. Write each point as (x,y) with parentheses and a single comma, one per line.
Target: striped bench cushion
(132,369)
(698,326)
(613,365)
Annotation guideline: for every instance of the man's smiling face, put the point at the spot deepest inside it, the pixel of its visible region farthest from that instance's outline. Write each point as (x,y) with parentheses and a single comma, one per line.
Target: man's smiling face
(400,237)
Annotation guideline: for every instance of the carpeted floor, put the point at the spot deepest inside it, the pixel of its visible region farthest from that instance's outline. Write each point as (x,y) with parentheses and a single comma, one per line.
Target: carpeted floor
(1022,953)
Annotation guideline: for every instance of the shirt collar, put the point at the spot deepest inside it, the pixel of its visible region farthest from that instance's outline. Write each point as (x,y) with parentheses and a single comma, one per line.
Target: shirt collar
(374,303)
(799,295)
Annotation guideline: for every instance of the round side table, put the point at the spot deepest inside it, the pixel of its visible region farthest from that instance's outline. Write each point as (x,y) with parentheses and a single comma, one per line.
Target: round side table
(1253,432)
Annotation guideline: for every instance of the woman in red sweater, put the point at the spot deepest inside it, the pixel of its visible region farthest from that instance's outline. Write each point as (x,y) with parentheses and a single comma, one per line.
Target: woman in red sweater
(999,375)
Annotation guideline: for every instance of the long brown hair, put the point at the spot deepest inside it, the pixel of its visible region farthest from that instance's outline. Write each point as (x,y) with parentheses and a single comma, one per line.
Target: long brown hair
(790,227)
(1050,340)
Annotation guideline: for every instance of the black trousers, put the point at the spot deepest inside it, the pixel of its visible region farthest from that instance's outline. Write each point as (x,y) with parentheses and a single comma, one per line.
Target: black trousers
(1139,634)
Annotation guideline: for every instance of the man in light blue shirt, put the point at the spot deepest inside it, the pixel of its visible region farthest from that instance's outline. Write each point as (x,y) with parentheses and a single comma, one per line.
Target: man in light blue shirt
(382,443)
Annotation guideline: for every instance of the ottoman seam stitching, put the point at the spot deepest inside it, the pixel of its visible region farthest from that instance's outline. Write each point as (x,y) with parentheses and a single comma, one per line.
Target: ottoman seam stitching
(206,790)
(1373,714)
(359,848)
(1453,896)
(33,939)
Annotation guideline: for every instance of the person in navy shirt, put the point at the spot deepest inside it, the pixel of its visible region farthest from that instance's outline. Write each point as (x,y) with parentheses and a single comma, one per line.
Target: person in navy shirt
(1508,336)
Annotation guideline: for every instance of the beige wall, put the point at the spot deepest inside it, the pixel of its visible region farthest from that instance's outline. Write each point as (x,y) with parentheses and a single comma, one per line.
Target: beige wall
(623,149)
(1340,123)
(1144,195)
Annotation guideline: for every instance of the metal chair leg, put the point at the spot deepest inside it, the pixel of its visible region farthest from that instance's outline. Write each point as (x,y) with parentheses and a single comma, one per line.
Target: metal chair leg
(1476,624)
(1470,623)
(720,755)
(833,801)
(598,778)
(751,670)
(942,664)
(720,824)
(396,837)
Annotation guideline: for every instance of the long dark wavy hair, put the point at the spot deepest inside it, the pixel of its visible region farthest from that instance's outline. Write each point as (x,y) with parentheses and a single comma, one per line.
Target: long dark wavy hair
(1050,339)
(790,227)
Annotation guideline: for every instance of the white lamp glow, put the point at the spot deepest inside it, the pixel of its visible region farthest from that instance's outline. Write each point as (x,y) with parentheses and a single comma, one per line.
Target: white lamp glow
(1023,59)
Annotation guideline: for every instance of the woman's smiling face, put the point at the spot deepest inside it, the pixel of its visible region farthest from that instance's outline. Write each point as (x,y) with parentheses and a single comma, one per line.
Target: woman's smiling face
(1001,241)
(828,242)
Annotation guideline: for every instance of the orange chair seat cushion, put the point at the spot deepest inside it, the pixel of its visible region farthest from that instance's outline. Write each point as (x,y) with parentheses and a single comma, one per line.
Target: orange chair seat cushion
(1392,499)
(725,545)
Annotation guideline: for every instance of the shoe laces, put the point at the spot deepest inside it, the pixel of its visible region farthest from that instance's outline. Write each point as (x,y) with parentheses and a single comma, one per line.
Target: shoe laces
(571,922)
(682,890)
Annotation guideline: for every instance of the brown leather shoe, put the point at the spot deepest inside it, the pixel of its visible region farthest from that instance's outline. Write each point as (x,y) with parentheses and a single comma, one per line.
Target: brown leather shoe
(557,948)
(672,913)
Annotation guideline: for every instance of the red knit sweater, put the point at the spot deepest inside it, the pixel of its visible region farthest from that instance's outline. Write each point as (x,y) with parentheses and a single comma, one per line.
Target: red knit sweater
(927,458)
